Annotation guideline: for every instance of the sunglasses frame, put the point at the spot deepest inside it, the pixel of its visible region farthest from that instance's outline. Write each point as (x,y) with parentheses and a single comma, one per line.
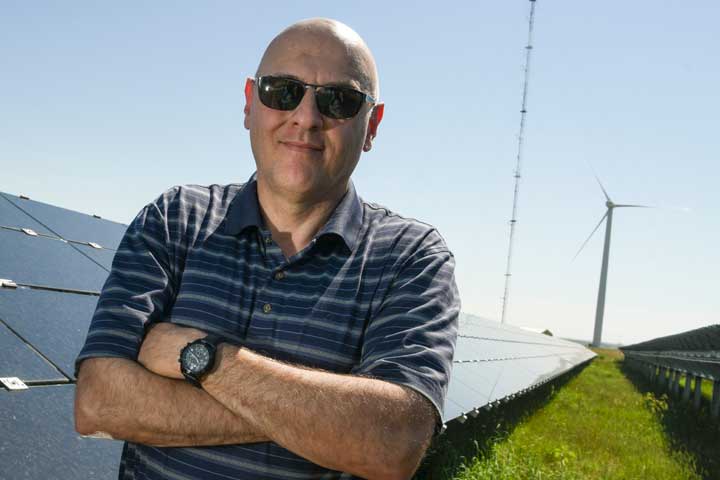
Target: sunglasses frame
(365,97)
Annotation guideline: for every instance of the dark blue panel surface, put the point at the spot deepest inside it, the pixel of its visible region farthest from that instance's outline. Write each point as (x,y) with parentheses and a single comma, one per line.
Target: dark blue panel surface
(12,216)
(54,323)
(38,439)
(102,256)
(19,360)
(48,262)
(72,225)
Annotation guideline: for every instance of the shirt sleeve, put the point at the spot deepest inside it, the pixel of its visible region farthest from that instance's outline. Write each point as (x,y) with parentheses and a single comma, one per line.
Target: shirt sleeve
(138,291)
(411,339)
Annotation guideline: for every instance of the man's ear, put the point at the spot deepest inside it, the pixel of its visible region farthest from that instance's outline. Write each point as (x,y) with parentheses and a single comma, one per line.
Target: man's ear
(249,84)
(375,119)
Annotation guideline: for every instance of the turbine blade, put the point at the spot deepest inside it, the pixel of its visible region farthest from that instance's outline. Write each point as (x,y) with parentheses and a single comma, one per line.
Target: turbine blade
(590,236)
(607,197)
(637,206)
(603,188)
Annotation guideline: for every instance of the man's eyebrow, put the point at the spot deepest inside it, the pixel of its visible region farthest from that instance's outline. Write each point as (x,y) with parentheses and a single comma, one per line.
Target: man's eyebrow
(286,75)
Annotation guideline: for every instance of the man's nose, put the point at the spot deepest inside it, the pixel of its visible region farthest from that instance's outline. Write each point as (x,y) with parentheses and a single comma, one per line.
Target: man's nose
(307,114)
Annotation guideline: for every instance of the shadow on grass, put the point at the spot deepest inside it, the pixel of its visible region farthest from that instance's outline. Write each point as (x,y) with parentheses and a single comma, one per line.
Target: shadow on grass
(464,441)
(688,429)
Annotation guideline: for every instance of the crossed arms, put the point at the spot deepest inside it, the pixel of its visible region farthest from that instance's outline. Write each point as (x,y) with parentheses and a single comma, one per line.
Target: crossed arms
(364,426)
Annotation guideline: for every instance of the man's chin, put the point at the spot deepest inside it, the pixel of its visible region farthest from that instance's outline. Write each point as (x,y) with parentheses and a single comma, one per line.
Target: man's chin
(298,187)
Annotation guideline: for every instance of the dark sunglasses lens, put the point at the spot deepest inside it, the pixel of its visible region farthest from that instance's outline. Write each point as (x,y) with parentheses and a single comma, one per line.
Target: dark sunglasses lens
(280,93)
(338,102)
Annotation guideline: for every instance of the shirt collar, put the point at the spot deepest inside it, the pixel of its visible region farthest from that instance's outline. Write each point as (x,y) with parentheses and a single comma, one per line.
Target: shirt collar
(345,221)
(244,210)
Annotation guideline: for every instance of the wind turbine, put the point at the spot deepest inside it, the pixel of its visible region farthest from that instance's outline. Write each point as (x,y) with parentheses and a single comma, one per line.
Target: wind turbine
(600,310)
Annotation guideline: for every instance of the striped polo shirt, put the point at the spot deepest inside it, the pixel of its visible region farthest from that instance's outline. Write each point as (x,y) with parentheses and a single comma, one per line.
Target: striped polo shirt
(373,294)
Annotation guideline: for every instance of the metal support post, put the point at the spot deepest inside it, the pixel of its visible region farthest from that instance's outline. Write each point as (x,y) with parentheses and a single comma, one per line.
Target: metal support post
(697,401)
(676,384)
(686,390)
(671,382)
(715,408)
(662,377)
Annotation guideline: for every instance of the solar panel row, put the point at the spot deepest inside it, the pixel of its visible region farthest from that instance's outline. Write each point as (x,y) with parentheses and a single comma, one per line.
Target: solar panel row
(694,354)
(48,252)
(494,362)
(53,271)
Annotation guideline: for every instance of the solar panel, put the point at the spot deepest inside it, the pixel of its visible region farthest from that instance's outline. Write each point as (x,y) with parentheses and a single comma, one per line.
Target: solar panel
(13,217)
(72,225)
(21,361)
(465,390)
(102,256)
(48,262)
(53,322)
(38,439)
(452,409)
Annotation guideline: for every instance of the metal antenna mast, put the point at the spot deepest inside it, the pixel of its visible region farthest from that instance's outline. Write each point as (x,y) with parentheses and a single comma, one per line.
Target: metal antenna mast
(523,113)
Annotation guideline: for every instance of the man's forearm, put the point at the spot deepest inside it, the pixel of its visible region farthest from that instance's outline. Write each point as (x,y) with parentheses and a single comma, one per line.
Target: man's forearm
(359,425)
(122,399)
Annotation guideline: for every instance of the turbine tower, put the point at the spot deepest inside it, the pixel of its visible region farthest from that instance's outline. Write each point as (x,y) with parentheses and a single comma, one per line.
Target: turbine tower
(600,309)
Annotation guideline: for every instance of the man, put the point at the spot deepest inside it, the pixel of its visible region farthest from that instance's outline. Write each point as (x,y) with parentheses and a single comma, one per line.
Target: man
(318,328)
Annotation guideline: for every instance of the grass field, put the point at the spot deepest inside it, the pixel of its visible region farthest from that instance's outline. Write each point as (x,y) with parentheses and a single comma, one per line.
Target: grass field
(600,423)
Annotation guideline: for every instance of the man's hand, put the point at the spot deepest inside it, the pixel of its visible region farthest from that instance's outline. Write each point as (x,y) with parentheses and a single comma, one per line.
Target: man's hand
(161,348)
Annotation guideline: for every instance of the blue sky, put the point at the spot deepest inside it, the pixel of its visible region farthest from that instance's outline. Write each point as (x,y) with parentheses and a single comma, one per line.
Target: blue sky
(105,105)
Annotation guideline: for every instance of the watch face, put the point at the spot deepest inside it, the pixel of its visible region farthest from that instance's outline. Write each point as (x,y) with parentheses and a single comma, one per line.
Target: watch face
(196,358)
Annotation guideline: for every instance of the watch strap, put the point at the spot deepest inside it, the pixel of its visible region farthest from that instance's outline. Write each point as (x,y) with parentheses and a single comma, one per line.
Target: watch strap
(213,339)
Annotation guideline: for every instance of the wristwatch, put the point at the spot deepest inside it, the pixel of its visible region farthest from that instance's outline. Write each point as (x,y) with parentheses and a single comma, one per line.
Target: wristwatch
(198,358)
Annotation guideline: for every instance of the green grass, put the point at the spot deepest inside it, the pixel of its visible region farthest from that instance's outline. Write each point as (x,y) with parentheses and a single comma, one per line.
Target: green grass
(599,424)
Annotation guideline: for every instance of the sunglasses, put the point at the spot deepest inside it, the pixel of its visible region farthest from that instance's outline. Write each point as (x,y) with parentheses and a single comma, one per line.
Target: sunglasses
(283,93)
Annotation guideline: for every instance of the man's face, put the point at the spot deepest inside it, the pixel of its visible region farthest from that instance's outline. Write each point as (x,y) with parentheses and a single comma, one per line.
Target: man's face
(302,154)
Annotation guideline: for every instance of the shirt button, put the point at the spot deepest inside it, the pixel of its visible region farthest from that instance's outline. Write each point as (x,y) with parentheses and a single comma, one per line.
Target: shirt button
(267,308)
(268,240)
(279,275)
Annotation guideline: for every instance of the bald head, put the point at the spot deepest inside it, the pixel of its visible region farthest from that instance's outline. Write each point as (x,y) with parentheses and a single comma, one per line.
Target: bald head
(323,36)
